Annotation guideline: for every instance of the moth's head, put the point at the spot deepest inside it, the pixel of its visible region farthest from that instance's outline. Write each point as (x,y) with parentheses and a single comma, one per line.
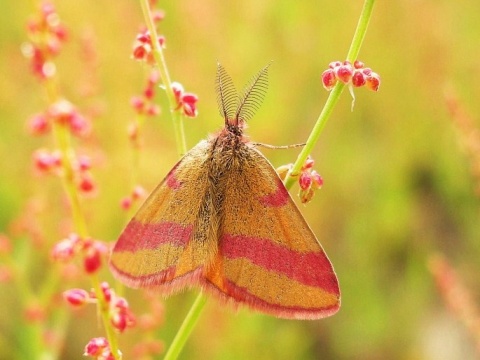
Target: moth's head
(237,109)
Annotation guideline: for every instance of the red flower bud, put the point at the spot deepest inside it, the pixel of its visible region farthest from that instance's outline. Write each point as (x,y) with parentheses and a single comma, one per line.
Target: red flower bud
(329,79)
(305,181)
(358,79)
(344,73)
(358,64)
(76,297)
(373,81)
(38,124)
(96,347)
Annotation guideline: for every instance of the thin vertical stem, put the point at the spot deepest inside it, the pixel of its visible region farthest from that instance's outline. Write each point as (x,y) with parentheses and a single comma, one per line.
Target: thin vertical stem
(334,96)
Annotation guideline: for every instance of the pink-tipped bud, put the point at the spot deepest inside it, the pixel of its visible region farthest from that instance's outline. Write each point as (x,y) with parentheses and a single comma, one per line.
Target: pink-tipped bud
(66,249)
(158,15)
(308,164)
(334,64)
(358,64)
(162,41)
(86,183)
(79,125)
(307,195)
(138,192)
(153,110)
(107,291)
(305,180)
(76,297)
(84,163)
(329,79)
(38,124)
(92,260)
(45,161)
(358,79)
(189,104)
(96,347)
(137,103)
(149,92)
(344,73)
(367,71)
(126,203)
(177,89)
(317,179)
(373,81)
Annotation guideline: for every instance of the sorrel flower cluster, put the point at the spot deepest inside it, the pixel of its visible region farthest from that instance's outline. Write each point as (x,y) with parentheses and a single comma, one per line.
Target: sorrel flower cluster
(356,75)
(64,115)
(91,251)
(118,310)
(99,348)
(309,180)
(185,101)
(143,104)
(143,51)
(47,34)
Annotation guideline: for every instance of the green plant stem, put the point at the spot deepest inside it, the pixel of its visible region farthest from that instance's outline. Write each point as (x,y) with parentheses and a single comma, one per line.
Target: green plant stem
(194,313)
(161,64)
(186,329)
(334,96)
(63,140)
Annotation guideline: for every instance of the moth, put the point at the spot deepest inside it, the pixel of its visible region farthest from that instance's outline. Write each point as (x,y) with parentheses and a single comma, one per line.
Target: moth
(222,220)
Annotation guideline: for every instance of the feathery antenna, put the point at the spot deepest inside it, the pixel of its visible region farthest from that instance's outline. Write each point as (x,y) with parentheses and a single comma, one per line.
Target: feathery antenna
(252,96)
(227,97)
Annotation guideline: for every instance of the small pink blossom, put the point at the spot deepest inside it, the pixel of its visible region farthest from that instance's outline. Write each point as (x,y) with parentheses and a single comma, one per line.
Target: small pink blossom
(76,297)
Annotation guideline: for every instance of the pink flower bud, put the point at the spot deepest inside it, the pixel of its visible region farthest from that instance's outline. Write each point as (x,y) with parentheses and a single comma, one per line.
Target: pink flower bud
(64,250)
(107,291)
(137,103)
(79,125)
(367,71)
(126,203)
(43,160)
(307,195)
(358,64)
(334,64)
(305,181)
(76,297)
(329,79)
(138,192)
(140,52)
(96,347)
(177,89)
(38,124)
(308,164)
(153,110)
(344,73)
(317,179)
(86,183)
(92,260)
(149,92)
(358,79)
(373,81)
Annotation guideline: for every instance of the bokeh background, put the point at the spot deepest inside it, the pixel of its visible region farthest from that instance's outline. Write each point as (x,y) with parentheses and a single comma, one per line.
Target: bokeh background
(400,182)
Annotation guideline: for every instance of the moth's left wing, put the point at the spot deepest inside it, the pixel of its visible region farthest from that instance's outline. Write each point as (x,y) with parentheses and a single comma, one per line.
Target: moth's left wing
(269,259)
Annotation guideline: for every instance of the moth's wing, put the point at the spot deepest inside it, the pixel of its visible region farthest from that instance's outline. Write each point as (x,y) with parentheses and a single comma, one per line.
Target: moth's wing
(269,258)
(155,249)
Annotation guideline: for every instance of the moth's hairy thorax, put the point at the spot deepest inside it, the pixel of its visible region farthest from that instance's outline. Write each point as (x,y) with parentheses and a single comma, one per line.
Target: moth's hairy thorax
(228,154)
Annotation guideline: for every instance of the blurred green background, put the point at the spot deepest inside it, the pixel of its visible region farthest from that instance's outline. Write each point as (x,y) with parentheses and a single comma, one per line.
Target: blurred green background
(398,186)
